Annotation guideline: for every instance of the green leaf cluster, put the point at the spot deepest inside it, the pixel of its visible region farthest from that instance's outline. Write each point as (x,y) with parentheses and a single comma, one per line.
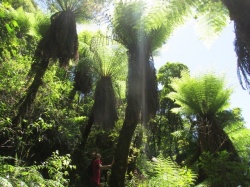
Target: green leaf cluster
(217,168)
(137,21)
(203,95)
(18,174)
(164,172)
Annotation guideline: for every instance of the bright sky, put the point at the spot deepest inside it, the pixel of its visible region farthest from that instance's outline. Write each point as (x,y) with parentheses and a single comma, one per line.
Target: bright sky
(185,47)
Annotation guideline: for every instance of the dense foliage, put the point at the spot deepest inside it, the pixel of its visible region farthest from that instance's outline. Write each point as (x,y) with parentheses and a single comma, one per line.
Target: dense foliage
(66,93)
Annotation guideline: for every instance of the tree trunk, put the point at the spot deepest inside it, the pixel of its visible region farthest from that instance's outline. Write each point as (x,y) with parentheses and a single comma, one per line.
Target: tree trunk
(119,168)
(86,131)
(212,138)
(79,155)
(31,93)
(134,100)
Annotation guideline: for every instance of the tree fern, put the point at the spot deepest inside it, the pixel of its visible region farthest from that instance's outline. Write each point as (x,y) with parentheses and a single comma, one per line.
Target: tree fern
(82,73)
(109,65)
(132,29)
(109,59)
(205,94)
(126,30)
(83,10)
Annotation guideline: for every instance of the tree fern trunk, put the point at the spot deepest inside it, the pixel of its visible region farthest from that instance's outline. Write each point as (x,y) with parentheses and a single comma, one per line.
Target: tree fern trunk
(86,131)
(133,110)
(31,93)
(78,155)
(212,138)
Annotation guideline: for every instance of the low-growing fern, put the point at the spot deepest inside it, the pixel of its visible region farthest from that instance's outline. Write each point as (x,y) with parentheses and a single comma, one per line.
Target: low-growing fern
(163,172)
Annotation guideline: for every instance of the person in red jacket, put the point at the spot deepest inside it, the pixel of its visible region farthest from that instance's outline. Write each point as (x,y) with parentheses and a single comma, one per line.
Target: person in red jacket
(96,169)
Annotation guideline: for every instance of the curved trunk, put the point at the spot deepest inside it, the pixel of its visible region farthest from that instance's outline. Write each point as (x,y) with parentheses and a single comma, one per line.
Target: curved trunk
(119,168)
(31,93)
(78,154)
(86,131)
(134,101)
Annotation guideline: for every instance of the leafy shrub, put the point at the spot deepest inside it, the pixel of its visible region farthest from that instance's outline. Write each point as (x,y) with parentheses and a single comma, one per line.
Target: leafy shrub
(18,175)
(223,172)
(164,172)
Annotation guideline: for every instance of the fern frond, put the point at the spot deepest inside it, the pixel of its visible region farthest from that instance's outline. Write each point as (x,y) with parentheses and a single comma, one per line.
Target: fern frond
(170,174)
(110,60)
(127,16)
(22,18)
(210,19)
(205,94)
(178,134)
(134,21)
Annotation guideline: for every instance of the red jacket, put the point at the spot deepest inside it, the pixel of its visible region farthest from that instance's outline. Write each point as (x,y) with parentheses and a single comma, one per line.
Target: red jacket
(96,171)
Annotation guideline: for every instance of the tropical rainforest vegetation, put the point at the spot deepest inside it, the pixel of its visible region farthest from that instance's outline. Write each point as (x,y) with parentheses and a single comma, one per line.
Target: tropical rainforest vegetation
(68,91)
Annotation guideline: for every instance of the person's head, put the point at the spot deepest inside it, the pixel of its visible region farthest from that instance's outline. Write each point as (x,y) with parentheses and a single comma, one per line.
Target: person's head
(98,156)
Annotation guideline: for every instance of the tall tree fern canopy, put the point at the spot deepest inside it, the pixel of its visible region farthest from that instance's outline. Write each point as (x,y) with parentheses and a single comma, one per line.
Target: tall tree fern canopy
(136,21)
(125,25)
(203,95)
(156,21)
(110,59)
(107,100)
(63,5)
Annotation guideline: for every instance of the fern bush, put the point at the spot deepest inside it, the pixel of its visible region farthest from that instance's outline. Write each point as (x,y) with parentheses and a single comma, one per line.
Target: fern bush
(15,175)
(163,172)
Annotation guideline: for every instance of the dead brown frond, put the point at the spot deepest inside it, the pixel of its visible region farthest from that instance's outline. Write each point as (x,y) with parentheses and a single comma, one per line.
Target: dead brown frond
(60,41)
(240,13)
(150,91)
(105,112)
(83,77)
